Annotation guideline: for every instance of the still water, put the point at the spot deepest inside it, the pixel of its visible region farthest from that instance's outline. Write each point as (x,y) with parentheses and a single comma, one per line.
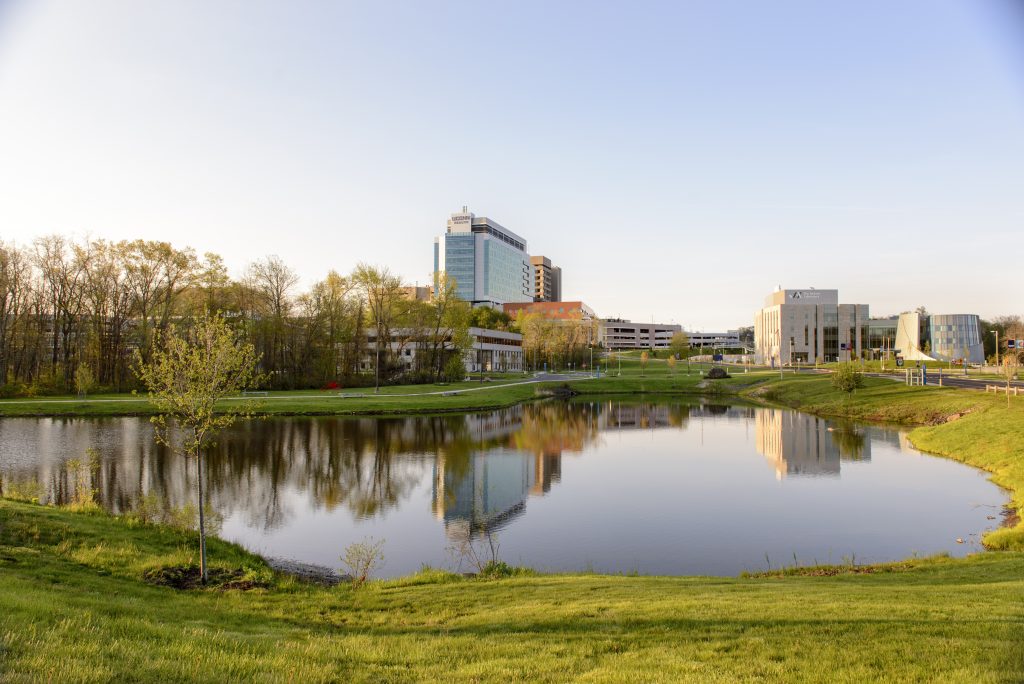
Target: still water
(608,486)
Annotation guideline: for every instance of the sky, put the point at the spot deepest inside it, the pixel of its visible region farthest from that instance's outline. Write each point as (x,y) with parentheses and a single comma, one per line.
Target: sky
(678,160)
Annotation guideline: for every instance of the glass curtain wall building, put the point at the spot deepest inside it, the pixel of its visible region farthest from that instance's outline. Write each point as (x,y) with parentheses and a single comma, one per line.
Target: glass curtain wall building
(488,262)
(956,336)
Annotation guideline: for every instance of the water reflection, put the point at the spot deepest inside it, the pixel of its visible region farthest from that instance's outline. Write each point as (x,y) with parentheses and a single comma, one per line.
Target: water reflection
(799,444)
(634,470)
(483,466)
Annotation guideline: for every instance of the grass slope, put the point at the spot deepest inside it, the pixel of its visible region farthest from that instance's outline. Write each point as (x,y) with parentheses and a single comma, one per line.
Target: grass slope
(73,608)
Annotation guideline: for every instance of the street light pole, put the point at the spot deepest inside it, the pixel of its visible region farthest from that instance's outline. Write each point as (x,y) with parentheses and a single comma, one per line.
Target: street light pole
(997,346)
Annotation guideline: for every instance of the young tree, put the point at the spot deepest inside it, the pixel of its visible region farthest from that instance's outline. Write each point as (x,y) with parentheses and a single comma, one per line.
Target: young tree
(672,364)
(84,379)
(679,345)
(1009,372)
(847,377)
(186,377)
(644,358)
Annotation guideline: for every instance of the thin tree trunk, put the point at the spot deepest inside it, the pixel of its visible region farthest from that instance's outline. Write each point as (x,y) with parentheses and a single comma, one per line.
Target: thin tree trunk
(202,520)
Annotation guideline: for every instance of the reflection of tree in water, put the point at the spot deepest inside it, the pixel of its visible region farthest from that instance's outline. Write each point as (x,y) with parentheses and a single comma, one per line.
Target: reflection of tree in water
(365,465)
(554,427)
(849,439)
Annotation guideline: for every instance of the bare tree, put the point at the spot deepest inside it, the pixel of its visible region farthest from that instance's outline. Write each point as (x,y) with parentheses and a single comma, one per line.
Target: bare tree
(272,283)
(15,297)
(62,280)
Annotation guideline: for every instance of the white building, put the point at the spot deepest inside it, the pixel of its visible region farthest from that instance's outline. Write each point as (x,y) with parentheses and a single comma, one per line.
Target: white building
(805,326)
(491,350)
(616,333)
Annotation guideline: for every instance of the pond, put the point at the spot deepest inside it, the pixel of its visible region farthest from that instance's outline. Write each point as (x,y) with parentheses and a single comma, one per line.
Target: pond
(607,486)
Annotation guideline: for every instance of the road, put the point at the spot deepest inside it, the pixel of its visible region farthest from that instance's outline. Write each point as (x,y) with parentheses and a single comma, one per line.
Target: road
(954,379)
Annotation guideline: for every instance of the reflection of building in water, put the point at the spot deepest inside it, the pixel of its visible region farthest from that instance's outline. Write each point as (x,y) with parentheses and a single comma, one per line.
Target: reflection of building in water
(802,444)
(479,491)
(483,493)
(616,416)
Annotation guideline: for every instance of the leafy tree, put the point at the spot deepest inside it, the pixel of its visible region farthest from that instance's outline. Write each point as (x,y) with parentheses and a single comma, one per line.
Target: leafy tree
(679,345)
(186,377)
(455,369)
(84,379)
(489,318)
(382,291)
(672,364)
(847,377)
(446,326)
(644,358)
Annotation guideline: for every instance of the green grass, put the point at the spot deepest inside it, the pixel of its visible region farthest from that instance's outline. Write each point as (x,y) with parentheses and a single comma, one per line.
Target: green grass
(501,391)
(395,399)
(73,607)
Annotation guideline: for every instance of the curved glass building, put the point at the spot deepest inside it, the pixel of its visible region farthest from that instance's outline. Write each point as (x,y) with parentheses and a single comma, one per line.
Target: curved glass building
(956,336)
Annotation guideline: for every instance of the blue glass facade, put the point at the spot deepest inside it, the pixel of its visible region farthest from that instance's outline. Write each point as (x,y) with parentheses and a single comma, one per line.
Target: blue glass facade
(507,273)
(488,263)
(956,336)
(460,263)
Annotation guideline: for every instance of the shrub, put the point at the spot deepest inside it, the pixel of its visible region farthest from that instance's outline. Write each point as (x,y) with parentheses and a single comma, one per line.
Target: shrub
(847,377)
(455,369)
(717,373)
(361,559)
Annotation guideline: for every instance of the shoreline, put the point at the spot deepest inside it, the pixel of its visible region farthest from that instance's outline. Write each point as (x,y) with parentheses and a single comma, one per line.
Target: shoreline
(963,425)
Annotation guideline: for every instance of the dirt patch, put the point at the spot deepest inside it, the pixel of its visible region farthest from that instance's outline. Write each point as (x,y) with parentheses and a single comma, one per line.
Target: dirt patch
(189,577)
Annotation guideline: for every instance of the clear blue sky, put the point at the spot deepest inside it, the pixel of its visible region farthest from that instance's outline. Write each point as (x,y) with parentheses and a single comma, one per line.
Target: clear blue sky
(678,160)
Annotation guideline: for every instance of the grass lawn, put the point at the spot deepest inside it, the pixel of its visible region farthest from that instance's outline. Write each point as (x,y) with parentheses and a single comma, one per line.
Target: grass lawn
(74,607)
(502,390)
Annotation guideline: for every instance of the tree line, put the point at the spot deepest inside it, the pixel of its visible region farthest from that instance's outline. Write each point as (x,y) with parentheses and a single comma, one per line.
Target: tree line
(77,313)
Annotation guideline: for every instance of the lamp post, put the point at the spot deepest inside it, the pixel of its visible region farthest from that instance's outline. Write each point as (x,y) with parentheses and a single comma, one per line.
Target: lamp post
(997,346)
(376,367)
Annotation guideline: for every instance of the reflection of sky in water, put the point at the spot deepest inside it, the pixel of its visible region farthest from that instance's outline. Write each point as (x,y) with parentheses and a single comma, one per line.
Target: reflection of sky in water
(615,487)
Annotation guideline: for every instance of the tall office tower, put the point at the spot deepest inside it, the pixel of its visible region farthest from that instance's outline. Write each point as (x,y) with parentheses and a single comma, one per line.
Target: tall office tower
(488,262)
(547,280)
